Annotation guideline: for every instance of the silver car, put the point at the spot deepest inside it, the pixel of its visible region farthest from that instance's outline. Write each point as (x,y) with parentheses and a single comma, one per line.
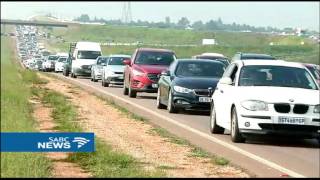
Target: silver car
(96,68)
(112,73)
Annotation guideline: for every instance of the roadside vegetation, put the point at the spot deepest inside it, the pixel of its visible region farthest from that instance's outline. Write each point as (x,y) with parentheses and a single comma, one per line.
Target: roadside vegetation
(284,47)
(16,116)
(104,162)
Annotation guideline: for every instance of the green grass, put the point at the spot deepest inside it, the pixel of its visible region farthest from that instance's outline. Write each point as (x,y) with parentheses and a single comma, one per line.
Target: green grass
(285,47)
(16,116)
(104,162)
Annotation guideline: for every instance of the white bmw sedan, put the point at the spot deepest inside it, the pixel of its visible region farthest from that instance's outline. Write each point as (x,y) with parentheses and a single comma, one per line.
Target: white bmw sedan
(266,97)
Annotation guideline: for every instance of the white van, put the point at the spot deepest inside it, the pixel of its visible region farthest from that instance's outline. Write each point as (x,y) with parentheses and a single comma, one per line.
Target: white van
(83,56)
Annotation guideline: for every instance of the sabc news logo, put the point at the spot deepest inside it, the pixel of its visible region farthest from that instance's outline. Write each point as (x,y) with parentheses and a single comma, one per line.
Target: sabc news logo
(63,143)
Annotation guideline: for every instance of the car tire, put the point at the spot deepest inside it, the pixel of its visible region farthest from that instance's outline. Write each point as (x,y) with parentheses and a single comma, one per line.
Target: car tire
(214,128)
(235,133)
(67,73)
(125,89)
(170,106)
(159,105)
(132,93)
(104,83)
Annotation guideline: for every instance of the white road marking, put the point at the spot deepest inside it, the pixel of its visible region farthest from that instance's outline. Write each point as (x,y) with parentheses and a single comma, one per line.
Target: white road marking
(202,134)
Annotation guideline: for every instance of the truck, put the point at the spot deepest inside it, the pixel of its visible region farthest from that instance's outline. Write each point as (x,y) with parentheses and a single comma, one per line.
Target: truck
(83,55)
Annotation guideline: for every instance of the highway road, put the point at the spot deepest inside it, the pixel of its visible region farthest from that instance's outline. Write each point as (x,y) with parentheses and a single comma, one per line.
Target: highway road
(261,156)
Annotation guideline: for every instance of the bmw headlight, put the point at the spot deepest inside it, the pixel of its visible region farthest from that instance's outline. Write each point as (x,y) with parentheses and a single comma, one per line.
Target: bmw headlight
(316,108)
(254,105)
(181,89)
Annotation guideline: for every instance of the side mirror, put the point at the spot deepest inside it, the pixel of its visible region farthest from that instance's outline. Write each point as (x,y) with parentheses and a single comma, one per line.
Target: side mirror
(127,62)
(210,91)
(225,80)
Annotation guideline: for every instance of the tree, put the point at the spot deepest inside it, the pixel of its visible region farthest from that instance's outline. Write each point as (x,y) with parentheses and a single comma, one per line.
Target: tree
(168,22)
(183,22)
(198,25)
(83,18)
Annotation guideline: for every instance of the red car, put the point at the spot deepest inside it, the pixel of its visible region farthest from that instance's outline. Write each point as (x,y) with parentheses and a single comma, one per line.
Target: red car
(142,72)
(315,71)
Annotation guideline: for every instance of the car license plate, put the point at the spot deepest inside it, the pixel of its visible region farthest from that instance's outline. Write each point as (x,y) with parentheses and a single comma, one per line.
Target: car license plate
(154,85)
(204,99)
(291,120)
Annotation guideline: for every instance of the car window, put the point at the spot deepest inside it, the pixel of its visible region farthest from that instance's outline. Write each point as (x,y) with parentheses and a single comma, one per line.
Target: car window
(281,76)
(314,71)
(62,59)
(99,61)
(88,54)
(116,60)
(155,58)
(199,69)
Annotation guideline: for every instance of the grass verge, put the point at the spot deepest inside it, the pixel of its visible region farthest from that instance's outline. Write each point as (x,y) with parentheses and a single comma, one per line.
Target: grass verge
(104,162)
(16,116)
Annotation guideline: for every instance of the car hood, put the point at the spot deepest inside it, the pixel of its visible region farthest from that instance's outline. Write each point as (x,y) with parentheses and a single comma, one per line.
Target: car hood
(115,68)
(59,63)
(196,83)
(279,95)
(153,69)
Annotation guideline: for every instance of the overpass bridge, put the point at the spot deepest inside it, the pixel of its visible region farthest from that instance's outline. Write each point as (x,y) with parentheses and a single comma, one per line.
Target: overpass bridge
(32,23)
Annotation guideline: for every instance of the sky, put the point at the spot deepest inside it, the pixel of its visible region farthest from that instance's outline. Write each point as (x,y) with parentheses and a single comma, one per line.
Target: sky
(275,14)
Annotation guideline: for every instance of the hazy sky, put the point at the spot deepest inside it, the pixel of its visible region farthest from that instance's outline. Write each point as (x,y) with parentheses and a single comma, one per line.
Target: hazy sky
(275,14)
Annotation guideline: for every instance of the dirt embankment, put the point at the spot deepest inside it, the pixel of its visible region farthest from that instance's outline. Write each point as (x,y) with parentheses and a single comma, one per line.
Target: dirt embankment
(134,137)
(61,168)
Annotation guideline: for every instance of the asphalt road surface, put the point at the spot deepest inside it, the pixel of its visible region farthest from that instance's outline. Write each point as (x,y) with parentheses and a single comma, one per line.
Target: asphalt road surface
(261,156)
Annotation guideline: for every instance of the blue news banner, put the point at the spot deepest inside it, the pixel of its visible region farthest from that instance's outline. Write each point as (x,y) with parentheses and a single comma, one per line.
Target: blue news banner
(47,142)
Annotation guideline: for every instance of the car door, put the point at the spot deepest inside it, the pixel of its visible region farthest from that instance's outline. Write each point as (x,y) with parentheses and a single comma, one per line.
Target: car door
(223,97)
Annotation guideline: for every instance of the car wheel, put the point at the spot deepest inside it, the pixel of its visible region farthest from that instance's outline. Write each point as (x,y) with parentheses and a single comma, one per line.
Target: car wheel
(67,73)
(235,133)
(125,89)
(159,105)
(214,128)
(170,106)
(132,93)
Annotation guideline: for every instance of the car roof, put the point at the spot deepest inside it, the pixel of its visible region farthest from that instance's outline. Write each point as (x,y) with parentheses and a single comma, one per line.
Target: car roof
(255,55)
(119,55)
(198,60)
(211,54)
(278,62)
(155,50)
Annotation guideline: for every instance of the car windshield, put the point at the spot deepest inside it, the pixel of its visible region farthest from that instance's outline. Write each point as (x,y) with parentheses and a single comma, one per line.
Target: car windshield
(199,69)
(53,58)
(314,71)
(88,54)
(116,60)
(280,76)
(155,58)
(62,59)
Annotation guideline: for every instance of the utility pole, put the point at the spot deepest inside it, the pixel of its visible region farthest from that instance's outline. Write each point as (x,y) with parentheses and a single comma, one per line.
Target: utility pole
(126,13)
